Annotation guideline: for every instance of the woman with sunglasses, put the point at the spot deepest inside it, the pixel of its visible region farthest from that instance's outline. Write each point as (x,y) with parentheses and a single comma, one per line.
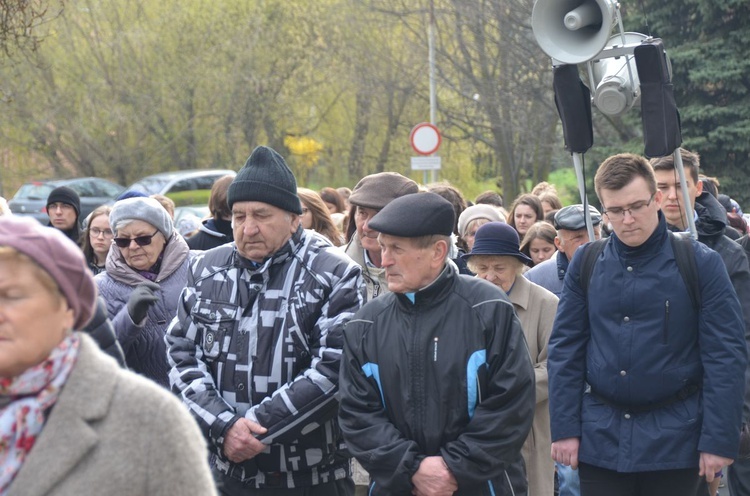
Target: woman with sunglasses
(146,269)
(97,238)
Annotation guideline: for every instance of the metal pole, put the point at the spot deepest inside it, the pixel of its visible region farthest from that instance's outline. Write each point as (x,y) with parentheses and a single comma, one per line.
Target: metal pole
(683,186)
(431,56)
(578,166)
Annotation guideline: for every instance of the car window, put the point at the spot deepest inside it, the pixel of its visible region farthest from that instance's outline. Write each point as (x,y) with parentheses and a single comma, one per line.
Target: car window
(150,186)
(205,182)
(33,191)
(85,189)
(188,184)
(105,188)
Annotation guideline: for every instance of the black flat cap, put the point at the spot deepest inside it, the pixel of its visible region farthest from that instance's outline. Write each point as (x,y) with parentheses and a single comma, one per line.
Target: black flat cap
(571,217)
(415,215)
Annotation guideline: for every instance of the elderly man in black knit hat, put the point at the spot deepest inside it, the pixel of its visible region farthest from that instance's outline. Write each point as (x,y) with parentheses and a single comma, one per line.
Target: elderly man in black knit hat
(437,387)
(256,344)
(64,208)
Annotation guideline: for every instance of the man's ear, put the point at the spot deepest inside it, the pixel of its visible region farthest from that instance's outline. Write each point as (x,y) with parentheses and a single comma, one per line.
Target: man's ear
(439,252)
(558,243)
(699,187)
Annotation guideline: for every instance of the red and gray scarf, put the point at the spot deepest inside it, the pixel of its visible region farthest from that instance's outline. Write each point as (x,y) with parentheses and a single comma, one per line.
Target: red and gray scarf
(32,394)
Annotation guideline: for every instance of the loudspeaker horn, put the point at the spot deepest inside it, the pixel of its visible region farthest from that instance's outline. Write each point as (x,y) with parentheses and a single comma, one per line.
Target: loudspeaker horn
(573,31)
(616,79)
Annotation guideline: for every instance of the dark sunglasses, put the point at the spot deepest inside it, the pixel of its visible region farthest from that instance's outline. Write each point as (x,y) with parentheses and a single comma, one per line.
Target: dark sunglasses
(140,240)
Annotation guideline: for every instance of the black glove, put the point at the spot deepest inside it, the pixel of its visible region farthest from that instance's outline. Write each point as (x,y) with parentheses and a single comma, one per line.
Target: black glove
(141,299)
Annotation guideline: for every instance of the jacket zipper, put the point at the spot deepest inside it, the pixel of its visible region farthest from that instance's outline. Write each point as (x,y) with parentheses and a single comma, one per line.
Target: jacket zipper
(665,332)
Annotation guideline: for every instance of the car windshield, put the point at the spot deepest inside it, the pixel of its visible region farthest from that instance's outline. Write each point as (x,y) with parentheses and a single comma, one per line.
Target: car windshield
(33,191)
(150,186)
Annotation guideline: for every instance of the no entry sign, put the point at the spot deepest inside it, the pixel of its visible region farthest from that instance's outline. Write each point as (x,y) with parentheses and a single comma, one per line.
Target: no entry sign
(425,138)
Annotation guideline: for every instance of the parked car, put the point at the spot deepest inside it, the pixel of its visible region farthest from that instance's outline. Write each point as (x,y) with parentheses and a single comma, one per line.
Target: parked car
(181,186)
(188,218)
(31,198)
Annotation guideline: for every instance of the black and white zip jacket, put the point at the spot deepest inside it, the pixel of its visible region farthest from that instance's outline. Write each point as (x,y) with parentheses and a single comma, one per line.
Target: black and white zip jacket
(265,343)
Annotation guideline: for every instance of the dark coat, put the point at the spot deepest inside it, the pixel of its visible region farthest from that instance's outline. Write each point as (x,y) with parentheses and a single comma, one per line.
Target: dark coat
(212,233)
(101,330)
(712,231)
(448,375)
(637,340)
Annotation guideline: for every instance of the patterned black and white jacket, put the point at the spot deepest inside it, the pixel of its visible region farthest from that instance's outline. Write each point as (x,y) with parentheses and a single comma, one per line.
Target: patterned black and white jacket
(265,343)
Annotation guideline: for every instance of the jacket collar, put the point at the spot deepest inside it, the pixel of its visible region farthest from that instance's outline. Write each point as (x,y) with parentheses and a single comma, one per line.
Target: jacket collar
(435,292)
(521,292)
(68,436)
(649,247)
(287,250)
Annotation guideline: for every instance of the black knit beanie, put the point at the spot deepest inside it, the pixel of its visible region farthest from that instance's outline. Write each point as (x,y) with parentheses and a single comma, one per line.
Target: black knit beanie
(63,194)
(266,178)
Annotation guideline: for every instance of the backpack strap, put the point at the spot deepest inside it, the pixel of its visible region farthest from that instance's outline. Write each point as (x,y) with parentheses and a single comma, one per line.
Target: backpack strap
(684,253)
(590,253)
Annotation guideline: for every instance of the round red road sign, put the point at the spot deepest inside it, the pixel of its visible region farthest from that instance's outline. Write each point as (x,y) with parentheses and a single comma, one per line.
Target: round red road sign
(425,138)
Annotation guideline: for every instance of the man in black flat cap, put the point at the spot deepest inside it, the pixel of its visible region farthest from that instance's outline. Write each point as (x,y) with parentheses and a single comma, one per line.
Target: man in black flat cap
(571,233)
(437,388)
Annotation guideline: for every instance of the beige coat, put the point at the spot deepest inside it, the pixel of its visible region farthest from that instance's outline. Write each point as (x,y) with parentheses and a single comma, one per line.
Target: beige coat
(115,433)
(536,308)
(374,277)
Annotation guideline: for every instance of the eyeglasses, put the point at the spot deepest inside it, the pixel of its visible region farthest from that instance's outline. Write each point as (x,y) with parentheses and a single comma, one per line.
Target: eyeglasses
(618,213)
(140,240)
(96,232)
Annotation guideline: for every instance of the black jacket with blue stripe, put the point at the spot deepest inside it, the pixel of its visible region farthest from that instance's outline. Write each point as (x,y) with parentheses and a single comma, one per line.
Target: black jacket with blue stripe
(448,374)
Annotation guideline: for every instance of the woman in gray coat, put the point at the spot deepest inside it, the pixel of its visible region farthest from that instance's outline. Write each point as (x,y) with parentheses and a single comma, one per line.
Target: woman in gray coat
(71,421)
(146,270)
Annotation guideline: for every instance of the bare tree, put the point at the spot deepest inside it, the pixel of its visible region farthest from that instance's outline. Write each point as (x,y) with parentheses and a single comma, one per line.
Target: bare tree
(19,20)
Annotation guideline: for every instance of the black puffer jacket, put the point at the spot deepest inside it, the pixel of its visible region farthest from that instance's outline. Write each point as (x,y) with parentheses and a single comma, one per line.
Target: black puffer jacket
(711,227)
(447,375)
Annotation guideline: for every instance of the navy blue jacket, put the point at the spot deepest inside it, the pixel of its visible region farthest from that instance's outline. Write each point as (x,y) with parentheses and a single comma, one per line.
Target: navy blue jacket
(636,341)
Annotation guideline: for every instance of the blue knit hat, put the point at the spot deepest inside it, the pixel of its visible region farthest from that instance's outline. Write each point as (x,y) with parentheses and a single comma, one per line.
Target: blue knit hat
(497,238)
(266,178)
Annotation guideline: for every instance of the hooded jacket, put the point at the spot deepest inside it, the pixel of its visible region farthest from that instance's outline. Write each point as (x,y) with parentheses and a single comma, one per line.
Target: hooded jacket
(211,233)
(448,374)
(711,227)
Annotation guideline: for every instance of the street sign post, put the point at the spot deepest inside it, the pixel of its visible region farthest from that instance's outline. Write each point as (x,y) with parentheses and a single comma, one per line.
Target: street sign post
(425,139)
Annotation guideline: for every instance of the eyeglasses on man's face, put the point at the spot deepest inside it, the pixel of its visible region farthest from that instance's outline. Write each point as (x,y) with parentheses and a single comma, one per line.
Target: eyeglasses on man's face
(618,213)
(140,240)
(96,232)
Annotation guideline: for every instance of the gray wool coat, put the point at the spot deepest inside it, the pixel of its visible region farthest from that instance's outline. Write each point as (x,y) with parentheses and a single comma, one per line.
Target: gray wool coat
(113,432)
(143,342)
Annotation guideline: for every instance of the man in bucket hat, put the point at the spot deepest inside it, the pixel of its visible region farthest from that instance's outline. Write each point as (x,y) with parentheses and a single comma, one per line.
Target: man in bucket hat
(256,344)
(410,353)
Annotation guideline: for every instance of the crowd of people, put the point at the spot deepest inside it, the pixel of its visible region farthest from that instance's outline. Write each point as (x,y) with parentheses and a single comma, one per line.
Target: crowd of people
(392,339)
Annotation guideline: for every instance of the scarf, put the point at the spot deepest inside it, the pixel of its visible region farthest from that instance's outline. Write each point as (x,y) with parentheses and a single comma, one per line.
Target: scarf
(32,394)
